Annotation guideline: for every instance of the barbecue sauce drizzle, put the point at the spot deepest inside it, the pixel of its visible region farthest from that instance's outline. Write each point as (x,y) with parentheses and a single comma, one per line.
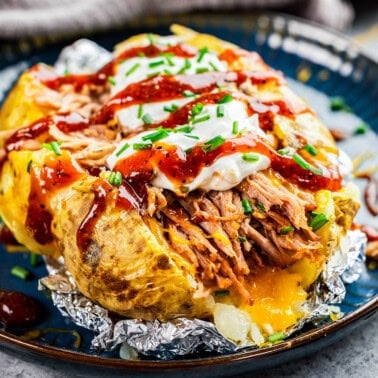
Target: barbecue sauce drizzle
(137,170)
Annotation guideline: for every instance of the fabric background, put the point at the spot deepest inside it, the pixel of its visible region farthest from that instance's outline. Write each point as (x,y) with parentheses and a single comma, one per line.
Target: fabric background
(30,18)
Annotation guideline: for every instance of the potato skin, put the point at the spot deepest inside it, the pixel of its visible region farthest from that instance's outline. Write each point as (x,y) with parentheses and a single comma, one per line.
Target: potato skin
(126,269)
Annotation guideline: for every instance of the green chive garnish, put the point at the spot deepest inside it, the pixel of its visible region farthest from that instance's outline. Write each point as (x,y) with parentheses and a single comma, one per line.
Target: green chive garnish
(168,56)
(246,206)
(183,129)
(140,110)
(192,136)
(132,69)
(141,54)
(53,146)
(286,230)
(213,66)
(20,272)
(156,135)
(338,103)
(171,108)
(361,129)
(235,127)
(202,53)
(201,70)
(260,206)
(221,293)
(30,162)
(276,337)
(150,38)
(34,259)
(284,151)
(187,93)
(220,111)
(250,157)
(226,98)
(111,80)
(201,119)
(242,239)
(152,74)
(115,178)
(317,220)
(122,149)
(308,167)
(142,146)
(156,63)
(213,144)
(167,72)
(197,108)
(311,149)
(147,119)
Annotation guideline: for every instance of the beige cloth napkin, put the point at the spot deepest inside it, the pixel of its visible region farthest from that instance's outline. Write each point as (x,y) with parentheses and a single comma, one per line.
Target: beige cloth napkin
(26,18)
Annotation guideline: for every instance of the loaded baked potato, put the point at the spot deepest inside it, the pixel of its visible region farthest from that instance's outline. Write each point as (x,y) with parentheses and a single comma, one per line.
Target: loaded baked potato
(184,178)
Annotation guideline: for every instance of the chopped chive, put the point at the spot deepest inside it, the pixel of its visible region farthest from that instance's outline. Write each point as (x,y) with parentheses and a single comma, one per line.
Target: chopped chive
(220,111)
(30,162)
(246,206)
(141,54)
(276,337)
(183,129)
(171,108)
(317,220)
(235,127)
(202,53)
(286,230)
(53,146)
(221,293)
(111,80)
(197,108)
(225,99)
(122,149)
(260,206)
(156,63)
(242,239)
(308,167)
(192,136)
(361,129)
(201,70)
(132,69)
(168,57)
(150,38)
(201,119)
(142,146)
(167,72)
(147,119)
(250,157)
(34,259)
(338,103)
(311,149)
(284,151)
(20,272)
(152,74)
(115,178)
(213,143)
(187,63)
(156,135)
(213,66)
(187,93)
(140,110)
(66,72)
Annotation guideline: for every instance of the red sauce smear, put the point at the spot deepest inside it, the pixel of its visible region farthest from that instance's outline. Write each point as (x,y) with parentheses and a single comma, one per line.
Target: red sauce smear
(182,169)
(18,310)
(56,173)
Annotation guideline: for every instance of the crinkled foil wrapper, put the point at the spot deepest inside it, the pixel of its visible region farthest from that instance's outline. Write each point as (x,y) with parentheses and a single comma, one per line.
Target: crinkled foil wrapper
(182,336)
(190,336)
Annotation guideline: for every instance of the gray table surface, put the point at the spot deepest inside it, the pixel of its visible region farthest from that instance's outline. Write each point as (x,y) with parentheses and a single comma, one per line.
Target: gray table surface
(355,355)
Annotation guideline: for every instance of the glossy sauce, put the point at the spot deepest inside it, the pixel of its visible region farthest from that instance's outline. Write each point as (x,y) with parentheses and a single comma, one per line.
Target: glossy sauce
(18,310)
(56,173)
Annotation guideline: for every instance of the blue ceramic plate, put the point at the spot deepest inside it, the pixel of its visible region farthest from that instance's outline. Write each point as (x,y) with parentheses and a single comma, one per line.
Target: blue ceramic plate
(319,65)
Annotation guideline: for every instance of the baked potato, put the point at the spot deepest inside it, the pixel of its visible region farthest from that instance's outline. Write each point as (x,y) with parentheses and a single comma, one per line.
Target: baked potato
(182,179)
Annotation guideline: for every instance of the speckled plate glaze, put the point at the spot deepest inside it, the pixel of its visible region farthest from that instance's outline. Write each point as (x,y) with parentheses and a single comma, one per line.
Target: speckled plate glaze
(319,64)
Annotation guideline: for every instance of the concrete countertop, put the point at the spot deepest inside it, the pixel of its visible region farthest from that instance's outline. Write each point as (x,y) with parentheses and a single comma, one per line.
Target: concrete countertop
(355,355)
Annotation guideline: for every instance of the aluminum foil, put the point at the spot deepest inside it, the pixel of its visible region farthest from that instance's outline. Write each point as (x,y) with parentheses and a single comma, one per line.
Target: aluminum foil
(185,336)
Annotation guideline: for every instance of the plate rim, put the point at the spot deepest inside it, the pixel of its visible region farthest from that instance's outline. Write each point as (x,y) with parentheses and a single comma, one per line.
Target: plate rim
(366,311)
